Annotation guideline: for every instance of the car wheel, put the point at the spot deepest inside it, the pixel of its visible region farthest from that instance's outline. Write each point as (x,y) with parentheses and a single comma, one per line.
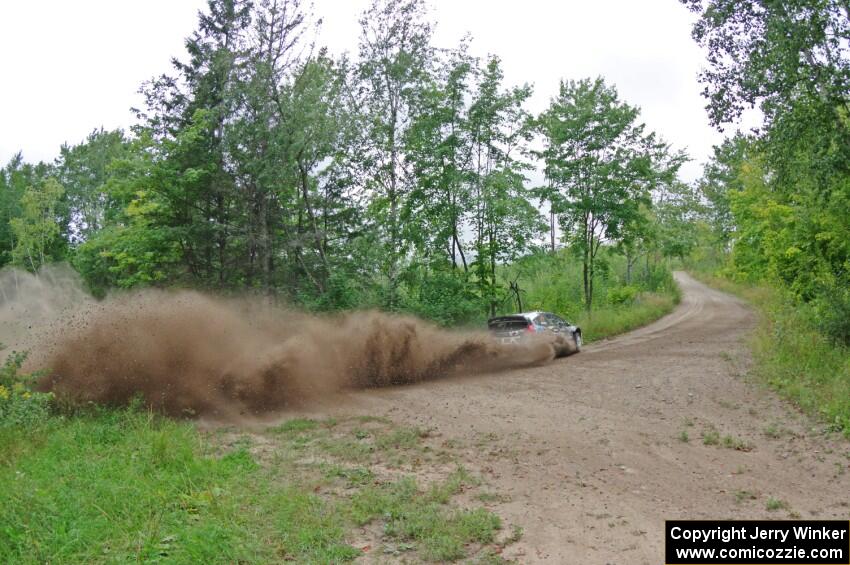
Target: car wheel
(577,340)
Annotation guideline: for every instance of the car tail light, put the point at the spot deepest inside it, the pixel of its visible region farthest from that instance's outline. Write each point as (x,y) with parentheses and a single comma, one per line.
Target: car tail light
(530,328)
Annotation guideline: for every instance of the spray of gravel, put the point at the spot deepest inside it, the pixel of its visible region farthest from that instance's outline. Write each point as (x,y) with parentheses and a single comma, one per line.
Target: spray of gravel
(29,303)
(192,354)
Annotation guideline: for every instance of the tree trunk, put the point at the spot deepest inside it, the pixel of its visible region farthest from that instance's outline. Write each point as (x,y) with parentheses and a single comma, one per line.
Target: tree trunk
(393,198)
(263,237)
(552,226)
(460,250)
(314,224)
(584,272)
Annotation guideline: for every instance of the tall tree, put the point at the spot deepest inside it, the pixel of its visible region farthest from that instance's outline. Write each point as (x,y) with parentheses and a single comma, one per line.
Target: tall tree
(505,222)
(190,112)
(16,178)
(83,170)
(603,165)
(36,230)
(438,146)
(720,177)
(395,61)
(792,60)
(768,53)
(259,127)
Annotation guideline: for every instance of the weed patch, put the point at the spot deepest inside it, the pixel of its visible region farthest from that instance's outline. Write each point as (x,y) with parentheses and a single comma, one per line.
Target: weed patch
(128,485)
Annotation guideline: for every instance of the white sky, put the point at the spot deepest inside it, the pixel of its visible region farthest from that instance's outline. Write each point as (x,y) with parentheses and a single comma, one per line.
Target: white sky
(69,67)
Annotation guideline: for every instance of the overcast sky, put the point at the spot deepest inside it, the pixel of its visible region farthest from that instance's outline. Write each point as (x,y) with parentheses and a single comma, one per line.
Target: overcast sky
(69,67)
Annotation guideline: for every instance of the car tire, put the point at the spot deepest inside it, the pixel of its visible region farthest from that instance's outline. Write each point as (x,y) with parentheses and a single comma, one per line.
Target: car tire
(577,341)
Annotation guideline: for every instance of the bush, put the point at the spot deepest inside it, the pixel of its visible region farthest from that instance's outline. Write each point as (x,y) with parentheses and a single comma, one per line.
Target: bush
(833,314)
(658,278)
(19,404)
(442,296)
(622,295)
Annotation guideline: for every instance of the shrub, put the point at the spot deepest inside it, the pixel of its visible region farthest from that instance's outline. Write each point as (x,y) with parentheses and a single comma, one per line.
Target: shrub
(622,294)
(833,314)
(442,296)
(19,404)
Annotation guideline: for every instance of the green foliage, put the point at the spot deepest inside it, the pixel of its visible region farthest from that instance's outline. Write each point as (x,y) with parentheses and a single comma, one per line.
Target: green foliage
(601,167)
(622,295)
(126,257)
(444,295)
(121,485)
(410,514)
(393,179)
(36,230)
(720,179)
(787,239)
(608,321)
(84,170)
(20,406)
(771,54)
(781,199)
(553,282)
(831,312)
(804,363)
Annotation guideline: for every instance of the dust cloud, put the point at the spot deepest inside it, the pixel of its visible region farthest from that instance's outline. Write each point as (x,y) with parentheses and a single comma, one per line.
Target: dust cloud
(192,354)
(29,303)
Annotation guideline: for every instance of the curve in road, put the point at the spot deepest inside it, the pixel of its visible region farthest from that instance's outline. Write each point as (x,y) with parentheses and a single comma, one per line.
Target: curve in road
(590,452)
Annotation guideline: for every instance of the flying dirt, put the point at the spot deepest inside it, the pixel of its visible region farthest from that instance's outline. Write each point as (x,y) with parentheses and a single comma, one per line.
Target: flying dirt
(192,354)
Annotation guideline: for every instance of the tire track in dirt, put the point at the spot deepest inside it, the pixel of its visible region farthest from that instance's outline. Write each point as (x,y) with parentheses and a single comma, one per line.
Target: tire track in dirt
(588,450)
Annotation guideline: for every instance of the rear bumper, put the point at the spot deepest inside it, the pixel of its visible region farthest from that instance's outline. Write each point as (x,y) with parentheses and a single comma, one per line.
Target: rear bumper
(509,340)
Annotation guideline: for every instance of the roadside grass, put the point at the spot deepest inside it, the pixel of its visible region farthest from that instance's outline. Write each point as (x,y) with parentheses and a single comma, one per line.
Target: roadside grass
(611,320)
(792,356)
(552,282)
(126,485)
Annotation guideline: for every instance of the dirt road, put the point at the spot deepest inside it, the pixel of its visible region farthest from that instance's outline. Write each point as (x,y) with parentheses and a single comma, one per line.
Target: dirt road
(590,452)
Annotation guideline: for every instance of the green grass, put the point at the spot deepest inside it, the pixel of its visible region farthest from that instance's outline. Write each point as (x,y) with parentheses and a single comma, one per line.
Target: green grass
(420,516)
(553,283)
(744,495)
(124,485)
(711,437)
(732,442)
(611,320)
(774,504)
(295,425)
(793,357)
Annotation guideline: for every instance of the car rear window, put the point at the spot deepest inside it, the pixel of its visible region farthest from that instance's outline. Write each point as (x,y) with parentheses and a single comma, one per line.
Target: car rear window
(514,323)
